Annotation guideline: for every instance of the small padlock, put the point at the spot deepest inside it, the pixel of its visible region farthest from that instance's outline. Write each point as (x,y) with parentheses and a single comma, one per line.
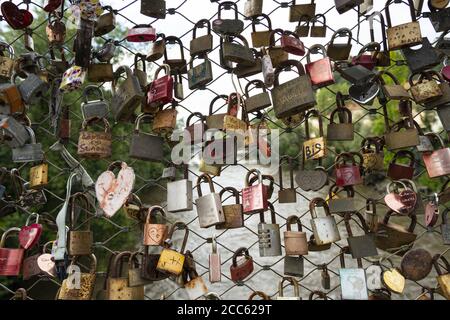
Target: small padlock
(215,273)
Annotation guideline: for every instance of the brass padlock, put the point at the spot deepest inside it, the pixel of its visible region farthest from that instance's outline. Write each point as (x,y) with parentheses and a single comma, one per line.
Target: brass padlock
(141,74)
(261,38)
(56,30)
(39,175)
(276,53)
(165,120)
(95,144)
(100,72)
(80,241)
(157,48)
(86,285)
(202,44)
(105,23)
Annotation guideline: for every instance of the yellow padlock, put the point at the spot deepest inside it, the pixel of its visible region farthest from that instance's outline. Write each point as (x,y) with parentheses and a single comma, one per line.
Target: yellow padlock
(39,176)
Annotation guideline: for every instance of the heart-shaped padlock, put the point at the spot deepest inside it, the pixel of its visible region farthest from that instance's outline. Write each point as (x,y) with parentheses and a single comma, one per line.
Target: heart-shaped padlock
(15,17)
(402,202)
(364,94)
(52,5)
(393,280)
(30,233)
(46,262)
(113,192)
(432,211)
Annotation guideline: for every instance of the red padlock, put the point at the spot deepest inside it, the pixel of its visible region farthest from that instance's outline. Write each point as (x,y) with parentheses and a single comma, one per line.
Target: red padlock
(437,162)
(348,174)
(445,71)
(291,43)
(398,171)
(30,233)
(15,17)
(160,90)
(10,259)
(254,197)
(368,61)
(141,33)
(52,5)
(320,71)
(242,269)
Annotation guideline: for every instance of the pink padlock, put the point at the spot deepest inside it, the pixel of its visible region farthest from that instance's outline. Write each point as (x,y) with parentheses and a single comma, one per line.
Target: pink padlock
(445,71)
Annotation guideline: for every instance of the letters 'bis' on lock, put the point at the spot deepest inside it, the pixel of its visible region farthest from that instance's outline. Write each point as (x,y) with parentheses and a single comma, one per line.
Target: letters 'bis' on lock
(314,148)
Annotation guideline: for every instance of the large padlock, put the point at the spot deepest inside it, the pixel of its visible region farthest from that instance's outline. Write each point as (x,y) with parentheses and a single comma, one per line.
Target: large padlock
(393,91)
(325,229)
(200,75)
(320,71)
(254,197)
(349,276)
(127,96)
(202,44)
(402,134)
(348,174)
(179,193)
(177,65)
(117,285)
(87,282)
(105,23)
(154,8)
(106,52)
(444,99)
(295,242)
(146,146)
(30,152)
(361,246)
(141,33)
(261,38)
(397,171)
(80,241)
(234,217)
(439,18)
(32,89)
(337,203)
(340,51)
(287,195)
(10,258)
(294,283)
(236,52)
(314,148)
(171,261)
(269,237)
(209,207)
(294,96)
(94,108)
(242,269)
(437,162)
(426,89)
(95,144)
(296,11)
(403,35)
(155,233)
(342,131)
(343,6)
(226,27)
(423,58)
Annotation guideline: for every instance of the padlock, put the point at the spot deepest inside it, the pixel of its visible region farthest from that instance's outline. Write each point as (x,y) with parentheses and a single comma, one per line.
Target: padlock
(403,35)
(200,75)
(348,175)
(319,31)
(95,144)
(27,198)
(257,102)
(294,96)
(368,61)
(253,8)
(87,282)
(287,195)
(291,43)
(294,266)
(396,138)
(314,148)
(105,23)
(395,238)
(325,277)
(303,30)
(343,6)
(203,44)
(32,89)
(237,52)
(340,51)
(39,175)
(445,227)
(383,57)
(242,269)
(261,38)
(362,78)
(14,133)
(246,70)
(416,264)
(165,120)
(373,159)
(269,238)
(437,162)
(234,217)
(421,59)
(349,277)
(213,120)
(294,283)
(398,171)
(338,204)
(392,279)
(439,18)
(55,30)
(141,33)
(82,44)
(177,65)
(39,264)
(320,71)
(393,91)
(444,99)
(195,133)
(171,261)
(100,72)
(30,152)
(267,68)
(426,89)
(311,179)
(295,242)
(72,79)
(30,234)
(296,11)
(10,99)
(195,287)
(215,273)
(141,74)
(154,8)
(209,207)
(161,89)
(179,193)
(155,233)
(94,108)
(254,197)
(342,131)
(117,286)
(149,269)
(157,48)
(127,97)
(146,146)
(443,279)
(106,52)
(276,53)
(135,266)
(6,61)
(80,241)
(361,246)
(226,27)
(324,229)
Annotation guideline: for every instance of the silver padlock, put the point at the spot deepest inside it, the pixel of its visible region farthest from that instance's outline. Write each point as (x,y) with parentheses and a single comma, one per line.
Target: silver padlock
(325,229)
(169,172)
(94,108)
(179,194)
(14,134)
(30,152)
(209,207)
(269,237)
(294,283)
(32,88)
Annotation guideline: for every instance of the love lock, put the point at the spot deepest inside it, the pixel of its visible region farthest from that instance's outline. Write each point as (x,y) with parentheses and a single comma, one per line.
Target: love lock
(402,202)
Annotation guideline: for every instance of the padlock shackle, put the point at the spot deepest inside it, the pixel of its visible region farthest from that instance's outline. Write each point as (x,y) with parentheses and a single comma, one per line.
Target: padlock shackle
(293,282)
(271,180)
(294,219)
(367,142)
(261,294)
(242,251)
(133,261)
(34,214)
(164,67)
(232,190)
(204,178)
(201,24)
(118,262)
(409,183)
(341,110)
(195,114)
(142,58)
(317,17)
(92,89)
(90,121)
(288,64)
(257,84)
(116,75)
(435,137)
(254,172)
(214,100)
(342,32)
(227,5)
(273,217)
(336,189)
(6,234)
(395,183)
(390,75)
(93,264)
(309,114)
(315,49)
(436,258)
(138,120)
(291,171)
(388,13)
(152,211)
(45,246)
(178,225)
(84,209)
(315,202)
(172,40)
(256,20)
(412,225)
(383,28)
(404,154)
(373,47)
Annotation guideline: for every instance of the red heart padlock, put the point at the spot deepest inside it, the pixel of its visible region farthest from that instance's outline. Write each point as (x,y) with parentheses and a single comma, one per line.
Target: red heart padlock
(52,5)
(29,234)
(402,202)
(15,17)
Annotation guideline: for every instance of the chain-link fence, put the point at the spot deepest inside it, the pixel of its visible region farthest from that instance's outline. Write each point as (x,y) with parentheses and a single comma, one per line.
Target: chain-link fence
(151,188)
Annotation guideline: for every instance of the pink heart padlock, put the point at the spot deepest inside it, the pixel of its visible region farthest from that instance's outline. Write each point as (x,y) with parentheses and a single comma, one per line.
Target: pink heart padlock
(30,233)
(445,71)
(402,202)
